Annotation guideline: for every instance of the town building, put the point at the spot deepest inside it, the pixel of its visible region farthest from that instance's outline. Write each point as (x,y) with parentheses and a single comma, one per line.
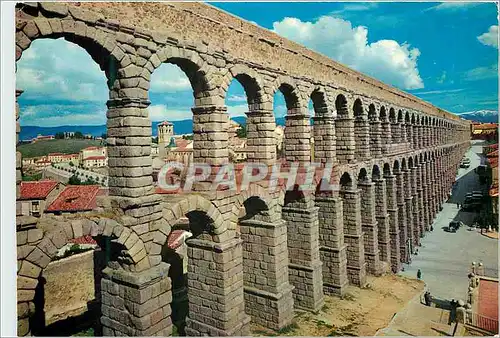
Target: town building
(43,138)
(36,195)
(95,162)
(165,133)
(93,157)
(482,131)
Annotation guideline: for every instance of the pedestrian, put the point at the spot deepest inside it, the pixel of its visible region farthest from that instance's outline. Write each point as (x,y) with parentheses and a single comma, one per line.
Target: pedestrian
(458,205)
(427,298)
(432,228)
(419,274)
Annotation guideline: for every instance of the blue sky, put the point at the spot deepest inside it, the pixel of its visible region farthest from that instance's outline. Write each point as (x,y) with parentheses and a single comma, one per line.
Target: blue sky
(444,53)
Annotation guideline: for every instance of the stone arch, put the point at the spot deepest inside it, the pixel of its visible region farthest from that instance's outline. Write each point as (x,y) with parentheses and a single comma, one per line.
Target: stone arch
(410,162)
(341,106)
(131,253)
(383,114)
(288,88)
(413,119)
(203,81)
(252,84)
(76,25)
(372,112)
(181,207)
(403,164)
(387,169)
(363,175)
(400,116)
(407,117)
(319,99)
(392,115)
(376,174)
(358,110)
(396,166)
(346,182)
(254,190)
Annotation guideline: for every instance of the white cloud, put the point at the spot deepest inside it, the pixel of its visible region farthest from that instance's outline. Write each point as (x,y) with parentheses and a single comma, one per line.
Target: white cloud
(280,110)
(481,73)
(169,78)
(490,38)
(60,70)
(431,92)
(386,60)
(454,6)
(237,98)
(160,112)
(356,7)
(238,110)
(50,115)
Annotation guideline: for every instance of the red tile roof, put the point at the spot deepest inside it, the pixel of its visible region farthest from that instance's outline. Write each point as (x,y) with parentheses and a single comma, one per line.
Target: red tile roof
(488,298)
(165,123)
(486,126)
(91,148)
(492,153)
(175,239)
(493,162)
(37,190)
(87,239)
(75,198)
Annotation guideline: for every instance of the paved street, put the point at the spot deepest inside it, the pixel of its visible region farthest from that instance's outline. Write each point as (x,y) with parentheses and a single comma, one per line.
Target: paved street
(445,258)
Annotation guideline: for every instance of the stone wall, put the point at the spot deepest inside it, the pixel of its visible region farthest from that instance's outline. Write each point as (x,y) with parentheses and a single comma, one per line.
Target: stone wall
(72,285)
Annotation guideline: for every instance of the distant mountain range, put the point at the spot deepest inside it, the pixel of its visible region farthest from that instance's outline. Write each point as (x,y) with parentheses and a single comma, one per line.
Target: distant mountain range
(180,127)
(484,116)
(186,126)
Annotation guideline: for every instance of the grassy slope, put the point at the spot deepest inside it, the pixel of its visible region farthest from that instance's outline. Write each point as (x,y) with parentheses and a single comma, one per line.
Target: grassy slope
(42,148)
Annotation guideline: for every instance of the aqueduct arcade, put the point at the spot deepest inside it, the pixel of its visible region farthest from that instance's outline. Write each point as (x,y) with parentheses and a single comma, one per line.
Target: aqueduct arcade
(255,255)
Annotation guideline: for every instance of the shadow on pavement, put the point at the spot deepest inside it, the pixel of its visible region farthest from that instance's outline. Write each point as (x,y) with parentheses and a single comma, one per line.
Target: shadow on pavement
(443,304)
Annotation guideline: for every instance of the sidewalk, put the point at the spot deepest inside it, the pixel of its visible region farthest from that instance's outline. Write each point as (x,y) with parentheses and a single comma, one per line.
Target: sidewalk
(417,319)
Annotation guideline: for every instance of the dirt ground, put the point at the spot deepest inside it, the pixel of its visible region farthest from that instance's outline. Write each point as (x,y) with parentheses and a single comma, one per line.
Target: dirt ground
(360,312)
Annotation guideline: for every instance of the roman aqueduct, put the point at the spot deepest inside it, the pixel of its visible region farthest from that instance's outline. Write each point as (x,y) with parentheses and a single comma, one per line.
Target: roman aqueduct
(254,256)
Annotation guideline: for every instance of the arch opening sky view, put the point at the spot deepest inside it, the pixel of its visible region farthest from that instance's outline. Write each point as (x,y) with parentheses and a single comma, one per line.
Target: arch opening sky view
(444,53)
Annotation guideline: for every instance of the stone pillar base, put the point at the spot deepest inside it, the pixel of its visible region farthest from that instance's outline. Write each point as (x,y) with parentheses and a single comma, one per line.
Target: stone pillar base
(195,328)
(372,252)
(334,270)
(215,288)
(136,304)
(308,282)
(356,266)
(272,310)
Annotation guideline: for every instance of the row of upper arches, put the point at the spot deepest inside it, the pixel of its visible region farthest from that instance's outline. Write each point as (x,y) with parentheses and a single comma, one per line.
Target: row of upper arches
(350,178)
(210,82)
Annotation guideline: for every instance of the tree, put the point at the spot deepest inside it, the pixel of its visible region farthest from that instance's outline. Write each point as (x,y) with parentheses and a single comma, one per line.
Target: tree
(242,132)
(71,164)
(74,180)
(103,136)
(78,134)
(59,136)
